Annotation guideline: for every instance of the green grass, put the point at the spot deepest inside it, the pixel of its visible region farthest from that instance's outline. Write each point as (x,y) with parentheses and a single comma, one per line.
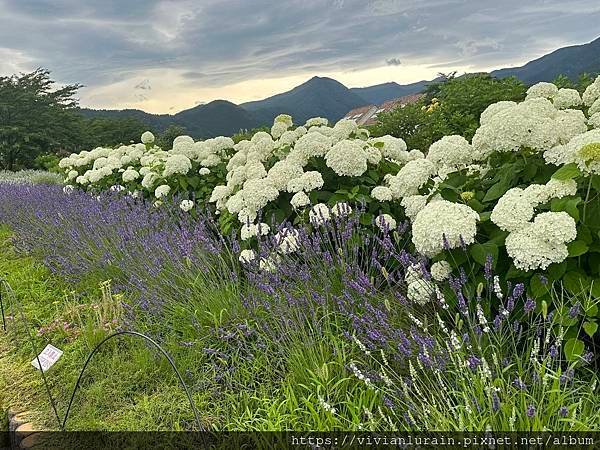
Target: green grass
(246,381)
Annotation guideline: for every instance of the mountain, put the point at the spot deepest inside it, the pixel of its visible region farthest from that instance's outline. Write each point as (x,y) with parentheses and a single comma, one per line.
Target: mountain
(326,97)
(319,96)
(217,118)
(570,61)
(380,93)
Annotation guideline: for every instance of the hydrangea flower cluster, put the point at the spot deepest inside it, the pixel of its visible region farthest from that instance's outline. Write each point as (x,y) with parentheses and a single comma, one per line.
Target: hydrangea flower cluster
(296,164)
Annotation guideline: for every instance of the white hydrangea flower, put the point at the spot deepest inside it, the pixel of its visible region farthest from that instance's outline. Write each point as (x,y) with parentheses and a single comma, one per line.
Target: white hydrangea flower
(382,193)
(257,193)
(162,191)
(130,175)
(299,199)
(117,188)
(440,221)
(247,256)
(543,90)
(567,98)
(250,230)
(278,129)
(177,164)
(580,150)
(219,193)
(373,155)
(341,209)
(72,175)
(147,138)
(319,214)
(451,151)
(595,108)
(235,203)
(343,129)
(309,181)
(186,205)
(441,270)
(528,124)
(592,92)
(493,109)
(211,161)
(288,240)
(420,292)
(204,171)
(68,189)
(347,158)
(570,123)
(541,242)
(385,222)
(282,172)
(594,120)
(316,122)
(254,170)
(513,210)
(312,144)
(415,154)
(247,215)
(391,147)
(412,204)
(149,179)
(560,188)
(410,178)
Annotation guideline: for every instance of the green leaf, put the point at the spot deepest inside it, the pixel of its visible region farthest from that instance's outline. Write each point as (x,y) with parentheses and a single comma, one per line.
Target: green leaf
(574,349)
(557,270)
(575,282)
(538,289)
(567,172)
(577,248)
(496,191)
(590,328)
(480,252)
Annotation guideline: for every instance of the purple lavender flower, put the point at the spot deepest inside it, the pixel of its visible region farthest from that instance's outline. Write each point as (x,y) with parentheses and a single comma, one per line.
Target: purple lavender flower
(519,384)
(563,411)
(575,310)
(529,305)
(530,411)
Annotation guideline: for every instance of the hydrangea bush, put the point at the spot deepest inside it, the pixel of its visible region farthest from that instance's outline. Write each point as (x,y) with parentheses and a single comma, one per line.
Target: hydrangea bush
(521,196)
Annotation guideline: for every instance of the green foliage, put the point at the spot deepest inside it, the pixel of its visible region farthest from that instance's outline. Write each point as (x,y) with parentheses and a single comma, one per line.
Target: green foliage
(166,138)
(461,102)
(35,117)
(109,132)
(247,134)
(418,127)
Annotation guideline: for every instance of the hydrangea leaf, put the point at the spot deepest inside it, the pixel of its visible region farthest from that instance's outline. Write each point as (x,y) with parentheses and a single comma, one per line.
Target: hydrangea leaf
(590,328)
(567,172)
(537,287)
(574,349)
(480,252)
(577,248)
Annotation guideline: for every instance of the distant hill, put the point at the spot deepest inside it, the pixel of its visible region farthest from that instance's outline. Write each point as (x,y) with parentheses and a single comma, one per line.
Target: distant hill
(380,93)
(326,97)
(570,61)
(319,96)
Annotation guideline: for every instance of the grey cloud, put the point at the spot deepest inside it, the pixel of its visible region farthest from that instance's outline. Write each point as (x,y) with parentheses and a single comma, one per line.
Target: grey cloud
(217,42)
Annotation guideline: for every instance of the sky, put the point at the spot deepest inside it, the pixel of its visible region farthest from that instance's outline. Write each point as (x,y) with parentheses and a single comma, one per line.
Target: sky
(163,56)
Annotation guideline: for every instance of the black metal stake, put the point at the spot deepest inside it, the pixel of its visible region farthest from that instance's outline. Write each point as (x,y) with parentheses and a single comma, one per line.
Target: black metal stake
(12,296)
(164,353)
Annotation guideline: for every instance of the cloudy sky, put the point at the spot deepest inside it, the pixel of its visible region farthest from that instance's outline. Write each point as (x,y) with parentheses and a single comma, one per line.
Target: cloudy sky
(167,55)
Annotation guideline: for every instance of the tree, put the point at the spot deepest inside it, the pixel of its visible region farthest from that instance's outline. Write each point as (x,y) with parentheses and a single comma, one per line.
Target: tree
(414,123)
(166,138)
(35,117)
(110,132)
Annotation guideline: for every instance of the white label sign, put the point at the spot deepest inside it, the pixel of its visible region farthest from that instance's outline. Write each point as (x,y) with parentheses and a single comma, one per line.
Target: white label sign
(47,358)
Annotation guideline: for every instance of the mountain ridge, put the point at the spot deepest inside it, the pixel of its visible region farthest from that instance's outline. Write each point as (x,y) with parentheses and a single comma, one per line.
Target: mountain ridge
(327,97)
